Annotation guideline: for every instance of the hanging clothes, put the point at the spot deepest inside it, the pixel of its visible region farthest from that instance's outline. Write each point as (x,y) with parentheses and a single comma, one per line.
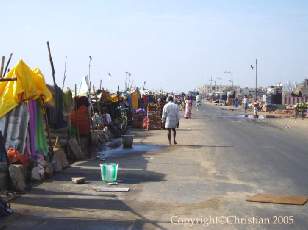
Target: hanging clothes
(68,100)
(129,99)
(55,111)
(80,120)
(151,99)
(134,100)
(145,99)
(31,143)
(40,140)
(2,124)
(16,126)
(36,136)
(3,156)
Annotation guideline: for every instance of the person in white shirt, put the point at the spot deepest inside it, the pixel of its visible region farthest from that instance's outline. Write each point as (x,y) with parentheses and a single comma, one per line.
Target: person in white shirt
(171,118)
(198,101)
(198,98)
(245,103)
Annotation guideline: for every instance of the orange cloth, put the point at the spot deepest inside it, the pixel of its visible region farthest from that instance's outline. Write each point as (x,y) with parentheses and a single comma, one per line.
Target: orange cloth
(15,157)
(80,120)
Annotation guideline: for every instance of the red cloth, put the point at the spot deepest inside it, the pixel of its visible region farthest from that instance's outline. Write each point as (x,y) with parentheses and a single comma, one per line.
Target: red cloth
(16,158)
(145,100)
(80,120)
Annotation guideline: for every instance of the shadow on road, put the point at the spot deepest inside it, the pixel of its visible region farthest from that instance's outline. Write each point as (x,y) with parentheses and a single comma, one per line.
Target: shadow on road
(204,146)
(57,195)
(60,223)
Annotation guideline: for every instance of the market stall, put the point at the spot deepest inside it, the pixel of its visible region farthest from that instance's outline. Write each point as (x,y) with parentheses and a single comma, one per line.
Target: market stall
(22,118)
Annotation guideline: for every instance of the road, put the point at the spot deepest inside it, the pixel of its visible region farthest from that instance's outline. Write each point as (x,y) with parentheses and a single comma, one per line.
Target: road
(220,160)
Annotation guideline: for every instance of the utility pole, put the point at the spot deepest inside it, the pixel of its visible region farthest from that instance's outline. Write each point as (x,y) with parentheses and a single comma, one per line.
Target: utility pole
(211,84)
(231,75)
(256,96)
(90,60)
(256,79)
(89,75)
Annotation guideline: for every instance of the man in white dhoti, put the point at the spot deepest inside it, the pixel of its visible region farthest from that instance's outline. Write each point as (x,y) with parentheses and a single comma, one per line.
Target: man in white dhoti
(171,118)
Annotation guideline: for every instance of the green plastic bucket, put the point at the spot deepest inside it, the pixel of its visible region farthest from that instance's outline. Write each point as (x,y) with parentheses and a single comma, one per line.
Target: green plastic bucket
(109,172)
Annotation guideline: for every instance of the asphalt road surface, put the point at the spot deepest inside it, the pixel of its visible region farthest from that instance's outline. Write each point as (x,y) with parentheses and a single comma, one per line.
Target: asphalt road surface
(202,183)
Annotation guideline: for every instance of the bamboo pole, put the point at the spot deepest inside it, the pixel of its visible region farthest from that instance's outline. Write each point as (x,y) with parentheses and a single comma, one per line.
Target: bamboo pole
(2,66)
(52,65)
(7,64)
(64,75)
(55,85)
(10,79)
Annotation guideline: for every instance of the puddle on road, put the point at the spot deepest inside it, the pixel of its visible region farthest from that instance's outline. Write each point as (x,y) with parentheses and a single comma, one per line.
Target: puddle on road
(108,153)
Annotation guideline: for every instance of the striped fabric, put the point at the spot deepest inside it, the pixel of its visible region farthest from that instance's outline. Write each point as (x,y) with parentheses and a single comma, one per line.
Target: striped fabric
(16,125)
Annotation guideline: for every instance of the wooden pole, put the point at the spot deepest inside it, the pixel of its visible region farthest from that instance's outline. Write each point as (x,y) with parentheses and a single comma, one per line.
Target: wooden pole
(55,85)
(75,109)
(64,75)
(97,100)
(2,66)
(7,64)
(10,79)
(75,90)
(52,65)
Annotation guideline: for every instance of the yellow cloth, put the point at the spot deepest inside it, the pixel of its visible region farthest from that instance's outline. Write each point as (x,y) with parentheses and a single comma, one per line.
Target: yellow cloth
(134,96)
(30,84)
(114,98)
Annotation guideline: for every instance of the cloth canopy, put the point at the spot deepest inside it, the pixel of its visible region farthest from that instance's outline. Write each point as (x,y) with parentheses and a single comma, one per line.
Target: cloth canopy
(30,84)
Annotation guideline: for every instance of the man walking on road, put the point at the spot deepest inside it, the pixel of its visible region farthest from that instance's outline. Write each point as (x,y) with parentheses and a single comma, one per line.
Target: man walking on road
(198,101)
(171,118)
(245,103)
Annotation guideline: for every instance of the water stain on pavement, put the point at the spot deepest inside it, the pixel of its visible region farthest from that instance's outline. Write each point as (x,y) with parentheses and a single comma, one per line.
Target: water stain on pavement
(138,149)
(247,117)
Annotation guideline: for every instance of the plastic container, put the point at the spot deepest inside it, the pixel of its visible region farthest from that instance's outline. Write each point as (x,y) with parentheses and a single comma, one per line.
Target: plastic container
(109,172)
(127,141)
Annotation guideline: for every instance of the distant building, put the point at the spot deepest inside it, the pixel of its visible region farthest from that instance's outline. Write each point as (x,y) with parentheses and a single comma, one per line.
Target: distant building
(303,88)
(273,95)
(300,94)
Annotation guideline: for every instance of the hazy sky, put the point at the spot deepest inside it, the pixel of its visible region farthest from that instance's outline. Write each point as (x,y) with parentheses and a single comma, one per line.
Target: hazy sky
(170,44)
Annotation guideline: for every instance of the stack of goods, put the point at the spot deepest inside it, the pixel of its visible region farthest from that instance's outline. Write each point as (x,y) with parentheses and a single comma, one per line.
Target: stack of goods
(153,119)
(138,117)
